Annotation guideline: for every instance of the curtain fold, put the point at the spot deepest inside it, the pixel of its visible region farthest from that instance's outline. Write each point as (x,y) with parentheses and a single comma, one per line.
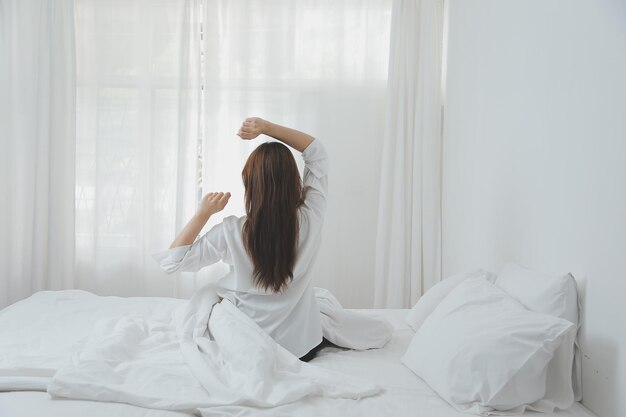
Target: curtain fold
(37,132)
(408,241)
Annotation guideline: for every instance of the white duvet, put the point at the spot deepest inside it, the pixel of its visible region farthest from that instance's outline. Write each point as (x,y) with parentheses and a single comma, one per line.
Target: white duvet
(199,355)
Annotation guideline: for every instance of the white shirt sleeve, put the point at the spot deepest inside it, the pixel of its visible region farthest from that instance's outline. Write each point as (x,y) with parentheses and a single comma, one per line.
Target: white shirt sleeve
(207,250)
(315,180)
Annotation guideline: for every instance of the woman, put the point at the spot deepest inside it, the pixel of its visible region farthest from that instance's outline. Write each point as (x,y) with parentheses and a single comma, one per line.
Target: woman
(272,249)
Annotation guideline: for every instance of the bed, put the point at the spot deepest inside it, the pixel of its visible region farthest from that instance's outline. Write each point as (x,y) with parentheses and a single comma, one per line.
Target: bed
(404,393)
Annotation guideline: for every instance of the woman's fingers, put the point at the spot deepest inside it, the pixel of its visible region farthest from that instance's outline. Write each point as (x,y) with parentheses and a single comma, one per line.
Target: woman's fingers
(213,196)
(222,200)
(244,134)
(216,196)
(213,202)
(249,129)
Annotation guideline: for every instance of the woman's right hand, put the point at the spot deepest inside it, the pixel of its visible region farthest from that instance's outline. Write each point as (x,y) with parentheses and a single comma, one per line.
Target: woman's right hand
(213,203)
(252,127)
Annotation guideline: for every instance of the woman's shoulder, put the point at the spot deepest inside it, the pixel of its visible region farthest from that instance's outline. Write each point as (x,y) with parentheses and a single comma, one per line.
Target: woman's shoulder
(229,229)
(233,222)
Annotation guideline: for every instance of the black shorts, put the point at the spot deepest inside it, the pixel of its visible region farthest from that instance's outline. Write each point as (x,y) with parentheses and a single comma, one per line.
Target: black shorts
(313,352)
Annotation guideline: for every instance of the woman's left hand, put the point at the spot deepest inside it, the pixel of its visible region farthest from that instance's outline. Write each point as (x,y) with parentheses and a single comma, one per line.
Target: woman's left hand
(213,203)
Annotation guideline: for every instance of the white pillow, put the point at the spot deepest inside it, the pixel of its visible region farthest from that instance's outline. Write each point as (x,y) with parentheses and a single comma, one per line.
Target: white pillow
(550,294)
(557,296)
(431,299)
(484,352)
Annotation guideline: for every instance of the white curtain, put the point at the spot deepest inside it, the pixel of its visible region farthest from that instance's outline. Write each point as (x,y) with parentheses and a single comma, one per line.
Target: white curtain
(137,136)
(37,146)
(319,66)
(162,89)
(106,151)
(408,256)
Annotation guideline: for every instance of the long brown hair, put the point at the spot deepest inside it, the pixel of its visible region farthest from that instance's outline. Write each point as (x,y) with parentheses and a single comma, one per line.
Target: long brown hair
(270,232)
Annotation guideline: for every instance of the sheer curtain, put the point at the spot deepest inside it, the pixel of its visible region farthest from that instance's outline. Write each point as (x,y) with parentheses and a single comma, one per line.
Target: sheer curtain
(37,88)
(408,255)
(318,66)
(162,88)
(136,162)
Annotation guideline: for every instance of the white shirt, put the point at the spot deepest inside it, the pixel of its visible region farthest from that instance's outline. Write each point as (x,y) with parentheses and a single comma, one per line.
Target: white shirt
(291,318)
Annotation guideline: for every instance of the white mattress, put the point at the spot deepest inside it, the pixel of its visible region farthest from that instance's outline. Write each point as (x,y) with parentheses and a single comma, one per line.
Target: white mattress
(405,394)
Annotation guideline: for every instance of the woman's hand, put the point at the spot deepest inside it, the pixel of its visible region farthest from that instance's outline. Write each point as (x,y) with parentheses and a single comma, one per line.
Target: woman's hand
(212,203)
(252,127)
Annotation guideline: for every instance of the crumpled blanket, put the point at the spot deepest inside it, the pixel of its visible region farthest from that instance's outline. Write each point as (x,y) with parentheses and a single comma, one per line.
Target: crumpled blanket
(196,355)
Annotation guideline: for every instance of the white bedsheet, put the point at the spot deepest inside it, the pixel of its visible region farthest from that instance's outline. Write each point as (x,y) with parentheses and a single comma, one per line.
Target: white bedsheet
(404,393)
(205,353)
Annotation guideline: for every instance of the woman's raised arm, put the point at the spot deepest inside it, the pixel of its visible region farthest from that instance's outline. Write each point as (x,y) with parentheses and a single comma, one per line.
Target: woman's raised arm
(254,126)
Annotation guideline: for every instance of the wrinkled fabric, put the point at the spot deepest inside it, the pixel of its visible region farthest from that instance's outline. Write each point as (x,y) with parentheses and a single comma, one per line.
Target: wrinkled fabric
(198,354)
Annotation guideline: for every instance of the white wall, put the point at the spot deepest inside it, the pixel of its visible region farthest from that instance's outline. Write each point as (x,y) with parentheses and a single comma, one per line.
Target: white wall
(345,264)
(535,158)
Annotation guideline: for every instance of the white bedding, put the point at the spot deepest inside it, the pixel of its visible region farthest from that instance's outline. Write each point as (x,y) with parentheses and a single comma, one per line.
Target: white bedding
(204,354)
(404,393)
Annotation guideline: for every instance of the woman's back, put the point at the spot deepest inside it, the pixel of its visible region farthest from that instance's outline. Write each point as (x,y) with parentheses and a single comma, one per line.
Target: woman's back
(290,316)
